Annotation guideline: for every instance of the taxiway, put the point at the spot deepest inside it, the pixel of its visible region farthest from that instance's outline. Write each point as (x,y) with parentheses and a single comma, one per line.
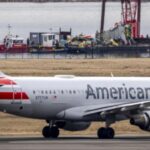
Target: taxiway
(75,143)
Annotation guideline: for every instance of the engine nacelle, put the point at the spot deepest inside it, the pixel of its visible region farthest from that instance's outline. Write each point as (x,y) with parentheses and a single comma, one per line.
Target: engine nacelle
(142,121)
(73,126)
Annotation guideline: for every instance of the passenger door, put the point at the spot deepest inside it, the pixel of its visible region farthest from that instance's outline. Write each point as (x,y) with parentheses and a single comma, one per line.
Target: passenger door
(17,94)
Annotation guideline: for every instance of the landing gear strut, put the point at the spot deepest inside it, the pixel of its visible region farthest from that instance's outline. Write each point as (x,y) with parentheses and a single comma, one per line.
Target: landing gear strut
(106,133)
(50,131)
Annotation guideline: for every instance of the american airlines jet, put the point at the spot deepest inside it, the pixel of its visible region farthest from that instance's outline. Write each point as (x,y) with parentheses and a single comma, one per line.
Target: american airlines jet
(72,103)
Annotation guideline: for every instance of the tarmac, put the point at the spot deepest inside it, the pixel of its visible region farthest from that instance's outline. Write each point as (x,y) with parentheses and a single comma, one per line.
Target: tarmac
(75,143)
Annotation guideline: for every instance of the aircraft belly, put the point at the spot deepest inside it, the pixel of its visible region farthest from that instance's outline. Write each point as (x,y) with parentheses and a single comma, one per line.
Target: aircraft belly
(17,109)
(48,111)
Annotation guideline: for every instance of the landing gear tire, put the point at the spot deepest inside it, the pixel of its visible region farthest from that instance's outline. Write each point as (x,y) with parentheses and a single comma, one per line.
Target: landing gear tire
(46,132)
(106,133)
(52,132)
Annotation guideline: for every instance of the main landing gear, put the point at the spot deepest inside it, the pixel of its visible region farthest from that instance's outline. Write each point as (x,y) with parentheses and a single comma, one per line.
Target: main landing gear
(106,133)
(51,131)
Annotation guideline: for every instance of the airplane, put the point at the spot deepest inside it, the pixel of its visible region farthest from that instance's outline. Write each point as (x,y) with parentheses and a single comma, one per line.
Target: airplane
(71,102)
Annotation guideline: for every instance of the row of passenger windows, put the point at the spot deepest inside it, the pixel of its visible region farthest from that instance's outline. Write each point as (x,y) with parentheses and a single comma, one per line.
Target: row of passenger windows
(59,92)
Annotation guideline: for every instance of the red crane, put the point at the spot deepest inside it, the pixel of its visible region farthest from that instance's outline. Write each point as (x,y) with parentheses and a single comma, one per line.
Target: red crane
(131,15)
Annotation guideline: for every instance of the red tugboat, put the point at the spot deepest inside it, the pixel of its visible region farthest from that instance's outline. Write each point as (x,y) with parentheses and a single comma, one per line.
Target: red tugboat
(13,44)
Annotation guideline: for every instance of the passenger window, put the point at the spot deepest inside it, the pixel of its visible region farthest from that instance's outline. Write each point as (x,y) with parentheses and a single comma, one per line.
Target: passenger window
(33,92)
(70,92)
(74,92)
(62,92)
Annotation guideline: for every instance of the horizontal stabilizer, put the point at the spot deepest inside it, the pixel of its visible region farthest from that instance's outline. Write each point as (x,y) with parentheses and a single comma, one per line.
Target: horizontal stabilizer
(2,75)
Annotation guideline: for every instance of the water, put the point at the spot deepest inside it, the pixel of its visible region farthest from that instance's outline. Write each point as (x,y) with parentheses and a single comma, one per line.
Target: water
(81,17)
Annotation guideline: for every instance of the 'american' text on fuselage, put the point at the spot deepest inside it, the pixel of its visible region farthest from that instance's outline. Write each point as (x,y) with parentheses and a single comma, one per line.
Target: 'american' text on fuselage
(122,92)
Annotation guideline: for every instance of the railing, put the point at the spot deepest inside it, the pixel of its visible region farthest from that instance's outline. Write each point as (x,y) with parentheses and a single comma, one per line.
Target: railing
(85,53)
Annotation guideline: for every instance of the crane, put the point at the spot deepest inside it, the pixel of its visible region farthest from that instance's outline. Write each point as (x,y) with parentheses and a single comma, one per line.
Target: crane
(131,15)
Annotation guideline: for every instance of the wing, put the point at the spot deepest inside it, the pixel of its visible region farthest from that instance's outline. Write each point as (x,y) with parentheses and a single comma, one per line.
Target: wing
(118,108)
(78,113)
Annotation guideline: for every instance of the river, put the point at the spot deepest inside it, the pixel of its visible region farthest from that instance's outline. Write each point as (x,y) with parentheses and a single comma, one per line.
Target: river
(81,17)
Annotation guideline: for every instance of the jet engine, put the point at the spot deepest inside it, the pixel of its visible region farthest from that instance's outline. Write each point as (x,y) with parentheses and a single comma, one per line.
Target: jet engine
(73,126)
(142,121)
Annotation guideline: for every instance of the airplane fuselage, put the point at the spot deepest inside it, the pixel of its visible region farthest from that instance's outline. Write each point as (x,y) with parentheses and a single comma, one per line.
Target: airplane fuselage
(46,97)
